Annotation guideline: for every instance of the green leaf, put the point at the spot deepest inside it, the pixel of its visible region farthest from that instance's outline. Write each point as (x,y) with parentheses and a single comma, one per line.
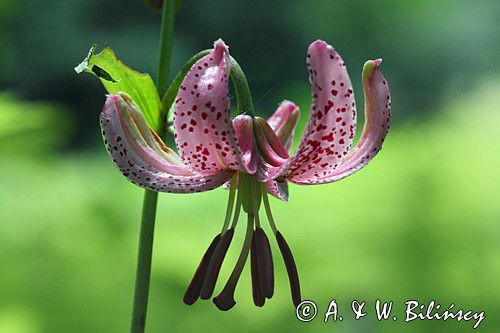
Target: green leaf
(116,77)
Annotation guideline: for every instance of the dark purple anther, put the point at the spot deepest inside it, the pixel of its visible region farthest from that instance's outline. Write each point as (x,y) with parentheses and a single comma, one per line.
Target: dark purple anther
(193,290)
(258,298)
(214,267)
(290,268)
(264,263)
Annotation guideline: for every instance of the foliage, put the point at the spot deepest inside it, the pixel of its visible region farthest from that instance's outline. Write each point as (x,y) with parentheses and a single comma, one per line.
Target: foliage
(116,77)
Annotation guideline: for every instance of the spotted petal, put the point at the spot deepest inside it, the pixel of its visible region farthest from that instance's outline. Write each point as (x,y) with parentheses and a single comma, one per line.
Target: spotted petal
(243,129)
(203,130)
(272,150)
(377,123)
(332,122)
(278,189)
(284,121)
(142,157)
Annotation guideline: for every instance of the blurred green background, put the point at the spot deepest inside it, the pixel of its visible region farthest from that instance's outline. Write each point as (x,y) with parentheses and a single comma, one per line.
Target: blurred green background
(420,222)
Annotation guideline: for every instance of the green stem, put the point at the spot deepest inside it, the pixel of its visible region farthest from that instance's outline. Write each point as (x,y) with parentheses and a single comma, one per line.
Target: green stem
(243,95)
(245,105)
(150,200)
(144,262)
(166,32)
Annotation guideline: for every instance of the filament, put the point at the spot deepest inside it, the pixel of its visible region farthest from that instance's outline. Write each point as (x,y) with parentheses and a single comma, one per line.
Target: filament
(230,202)
(268,208)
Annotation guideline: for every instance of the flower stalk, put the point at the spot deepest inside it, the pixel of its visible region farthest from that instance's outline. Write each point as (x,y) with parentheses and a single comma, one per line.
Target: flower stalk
(146,237)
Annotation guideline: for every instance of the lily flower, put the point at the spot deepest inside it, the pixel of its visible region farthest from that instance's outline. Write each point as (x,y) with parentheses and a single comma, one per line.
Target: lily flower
(250,155)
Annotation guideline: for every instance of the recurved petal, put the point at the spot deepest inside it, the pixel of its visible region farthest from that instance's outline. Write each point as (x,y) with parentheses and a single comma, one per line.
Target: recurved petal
(332,122)
(377,123)
(284,121)
(142,157)
(203,130)
(270,146)
(243,129)
(278,189)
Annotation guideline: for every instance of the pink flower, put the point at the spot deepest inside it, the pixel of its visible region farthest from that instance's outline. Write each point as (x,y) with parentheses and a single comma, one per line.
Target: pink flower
(249,153)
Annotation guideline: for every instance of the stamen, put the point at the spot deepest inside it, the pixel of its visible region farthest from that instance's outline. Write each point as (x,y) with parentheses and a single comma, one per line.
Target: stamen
(268,208)
(193,290)
(203,282)
(258,298)
(286,253)
(230,202)
(215,265)
(264,263)
(225,300)
(290,268)
(237,210)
